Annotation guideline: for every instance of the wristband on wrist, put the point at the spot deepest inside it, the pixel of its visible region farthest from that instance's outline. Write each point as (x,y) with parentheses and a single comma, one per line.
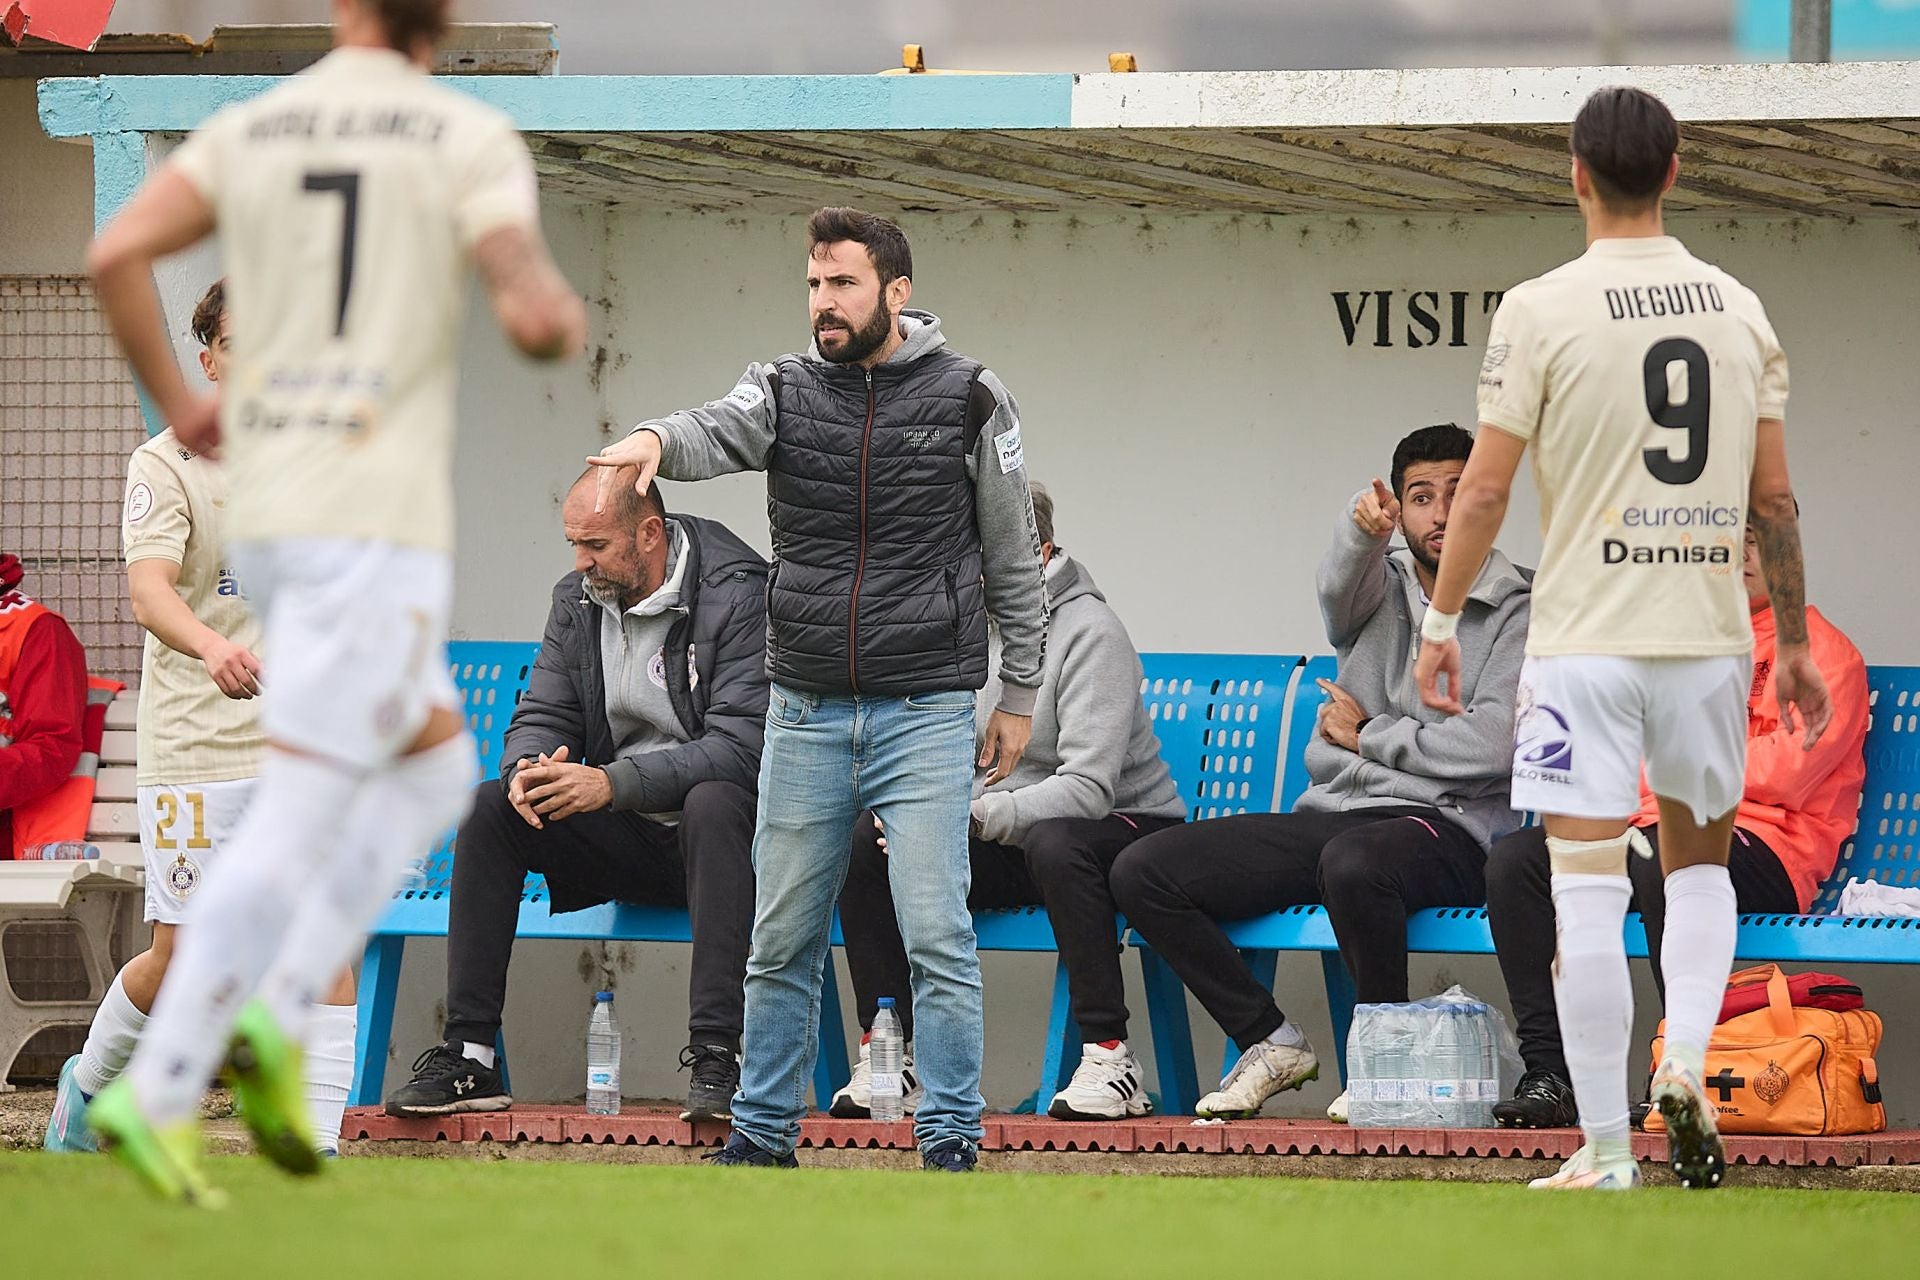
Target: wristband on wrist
(1439,627)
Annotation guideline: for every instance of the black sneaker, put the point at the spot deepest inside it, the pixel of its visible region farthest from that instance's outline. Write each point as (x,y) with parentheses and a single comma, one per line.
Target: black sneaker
(446,1081)
(950,1155)
(744,1151)
(716,1078)
(1542,1100)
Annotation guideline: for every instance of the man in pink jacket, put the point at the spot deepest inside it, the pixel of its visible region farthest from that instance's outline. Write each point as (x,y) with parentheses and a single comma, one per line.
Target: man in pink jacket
(1796,808)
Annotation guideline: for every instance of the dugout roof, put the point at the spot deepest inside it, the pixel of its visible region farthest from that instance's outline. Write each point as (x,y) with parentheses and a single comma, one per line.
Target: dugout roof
(1837,139)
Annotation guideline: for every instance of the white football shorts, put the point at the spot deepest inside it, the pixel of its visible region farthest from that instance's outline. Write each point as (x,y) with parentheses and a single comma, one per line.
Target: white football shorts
(183,832)
(1585,724)
(355,635)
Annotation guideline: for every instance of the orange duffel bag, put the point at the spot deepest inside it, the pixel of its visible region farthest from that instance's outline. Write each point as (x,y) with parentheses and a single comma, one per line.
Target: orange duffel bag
(1783,1069)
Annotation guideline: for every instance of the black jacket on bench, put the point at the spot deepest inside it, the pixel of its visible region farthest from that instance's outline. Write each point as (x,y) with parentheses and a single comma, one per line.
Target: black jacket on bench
(724,711)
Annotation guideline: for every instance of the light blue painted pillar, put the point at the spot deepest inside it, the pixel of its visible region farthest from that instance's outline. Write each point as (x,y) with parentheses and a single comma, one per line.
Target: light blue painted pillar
(119,167)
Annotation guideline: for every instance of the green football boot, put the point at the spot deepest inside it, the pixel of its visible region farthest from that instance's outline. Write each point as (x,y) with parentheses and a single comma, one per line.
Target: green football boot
(166,1158)
(264,1071)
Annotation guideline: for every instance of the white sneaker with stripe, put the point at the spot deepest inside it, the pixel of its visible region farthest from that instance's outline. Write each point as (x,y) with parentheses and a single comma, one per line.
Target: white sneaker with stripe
(1107,1085)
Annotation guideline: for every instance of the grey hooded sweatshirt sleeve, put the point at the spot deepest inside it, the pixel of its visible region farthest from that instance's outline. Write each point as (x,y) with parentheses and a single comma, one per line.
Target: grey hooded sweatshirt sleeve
(720,437)
(1409,754)
(1010,550)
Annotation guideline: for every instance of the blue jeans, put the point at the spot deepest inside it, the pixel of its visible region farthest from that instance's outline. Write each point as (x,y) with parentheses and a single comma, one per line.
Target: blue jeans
(827,759)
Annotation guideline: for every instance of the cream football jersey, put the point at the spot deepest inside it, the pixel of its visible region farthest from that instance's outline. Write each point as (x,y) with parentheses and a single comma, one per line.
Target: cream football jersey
(348,200)
(1637,373)
(189,731)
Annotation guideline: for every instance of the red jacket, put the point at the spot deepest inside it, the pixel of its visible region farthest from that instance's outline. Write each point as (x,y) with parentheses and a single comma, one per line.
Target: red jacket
(1802,804)
(43,703)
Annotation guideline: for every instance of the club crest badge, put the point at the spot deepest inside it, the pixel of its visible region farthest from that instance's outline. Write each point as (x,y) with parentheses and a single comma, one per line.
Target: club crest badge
(1771,1085)
(183,877)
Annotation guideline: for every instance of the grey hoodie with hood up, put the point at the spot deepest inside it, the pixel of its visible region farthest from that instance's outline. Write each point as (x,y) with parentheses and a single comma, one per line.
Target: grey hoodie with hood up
(1410,754)
(1093,750)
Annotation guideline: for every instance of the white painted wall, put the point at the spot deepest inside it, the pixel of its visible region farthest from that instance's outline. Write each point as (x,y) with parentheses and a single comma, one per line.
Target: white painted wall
(46,191)
(1190,398)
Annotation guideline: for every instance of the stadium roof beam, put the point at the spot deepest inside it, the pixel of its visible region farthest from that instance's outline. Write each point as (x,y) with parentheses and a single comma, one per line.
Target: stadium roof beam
(1805,140)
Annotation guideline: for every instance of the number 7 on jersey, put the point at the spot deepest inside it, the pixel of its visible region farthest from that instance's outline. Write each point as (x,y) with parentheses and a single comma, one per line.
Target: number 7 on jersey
(347,186)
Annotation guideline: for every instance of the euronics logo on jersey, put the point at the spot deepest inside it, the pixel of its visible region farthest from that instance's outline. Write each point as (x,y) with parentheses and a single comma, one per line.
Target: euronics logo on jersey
(1718,552)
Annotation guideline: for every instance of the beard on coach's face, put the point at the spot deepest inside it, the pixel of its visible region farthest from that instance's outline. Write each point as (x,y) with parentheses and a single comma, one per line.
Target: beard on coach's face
(848,345)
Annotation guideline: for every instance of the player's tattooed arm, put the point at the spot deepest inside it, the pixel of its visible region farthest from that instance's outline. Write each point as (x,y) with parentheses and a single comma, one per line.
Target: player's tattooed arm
(1775,518)
(1776,525)
(536,307)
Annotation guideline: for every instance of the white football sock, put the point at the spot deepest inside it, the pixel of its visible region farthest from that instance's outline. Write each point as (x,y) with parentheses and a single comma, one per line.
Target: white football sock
(329,1061)
(480,1053)
(237,923)
(1594,992)
(1696,953)
(1287,1034)
(394,815)
(116,1029)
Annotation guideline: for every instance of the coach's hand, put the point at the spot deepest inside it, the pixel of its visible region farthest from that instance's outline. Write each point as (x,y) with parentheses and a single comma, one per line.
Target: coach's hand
(556,789)
(1436,661)
(1377,514)
(232,667)
(517,792)
(1799,684)
(640,449)
(1005,742)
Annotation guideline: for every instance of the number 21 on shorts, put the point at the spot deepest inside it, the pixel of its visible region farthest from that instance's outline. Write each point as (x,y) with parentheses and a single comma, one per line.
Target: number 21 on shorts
(166,808)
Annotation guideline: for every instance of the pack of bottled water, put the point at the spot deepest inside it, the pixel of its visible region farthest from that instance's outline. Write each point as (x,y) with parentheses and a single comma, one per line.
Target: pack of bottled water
(1439,1063)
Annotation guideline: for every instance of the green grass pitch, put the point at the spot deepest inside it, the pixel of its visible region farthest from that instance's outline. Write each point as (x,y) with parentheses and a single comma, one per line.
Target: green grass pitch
(80,1216)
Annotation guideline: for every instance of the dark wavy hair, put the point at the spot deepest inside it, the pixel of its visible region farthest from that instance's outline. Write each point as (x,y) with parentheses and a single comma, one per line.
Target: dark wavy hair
(1446,442)
(1626,138)
(885,242)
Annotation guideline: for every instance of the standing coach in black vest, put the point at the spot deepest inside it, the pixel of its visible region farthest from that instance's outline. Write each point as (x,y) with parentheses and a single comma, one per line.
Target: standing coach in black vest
(901,517)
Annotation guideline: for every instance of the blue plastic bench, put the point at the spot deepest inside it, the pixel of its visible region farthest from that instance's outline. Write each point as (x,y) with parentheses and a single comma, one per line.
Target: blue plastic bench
(1218,716)
(1882,847)
(491,676)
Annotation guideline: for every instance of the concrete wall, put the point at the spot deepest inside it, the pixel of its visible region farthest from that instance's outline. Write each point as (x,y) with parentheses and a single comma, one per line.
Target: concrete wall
(1191,395)
(46,191)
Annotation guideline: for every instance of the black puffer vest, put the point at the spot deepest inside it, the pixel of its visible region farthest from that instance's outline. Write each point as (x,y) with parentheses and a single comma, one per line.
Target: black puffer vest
(876,584)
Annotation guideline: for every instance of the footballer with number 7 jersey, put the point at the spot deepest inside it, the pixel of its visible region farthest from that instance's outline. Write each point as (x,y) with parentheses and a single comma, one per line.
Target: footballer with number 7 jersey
(351,200)
(199,752)
(1653,392)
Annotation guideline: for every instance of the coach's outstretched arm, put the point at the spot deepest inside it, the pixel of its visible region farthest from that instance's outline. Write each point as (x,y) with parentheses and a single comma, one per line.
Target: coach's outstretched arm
(1776,523)
(1479,508)
(733,433)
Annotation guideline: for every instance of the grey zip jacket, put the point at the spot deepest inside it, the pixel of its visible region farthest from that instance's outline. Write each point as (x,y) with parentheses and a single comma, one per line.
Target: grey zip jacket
(1410,754)
(737,433)
(1093,751)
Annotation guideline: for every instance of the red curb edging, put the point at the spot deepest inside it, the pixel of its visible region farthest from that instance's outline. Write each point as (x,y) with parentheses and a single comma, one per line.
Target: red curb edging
(658,1126)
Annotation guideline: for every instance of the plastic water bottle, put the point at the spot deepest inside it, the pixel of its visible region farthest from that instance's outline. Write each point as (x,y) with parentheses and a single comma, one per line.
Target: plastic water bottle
(887,1050)
(62,851)
(603,1057)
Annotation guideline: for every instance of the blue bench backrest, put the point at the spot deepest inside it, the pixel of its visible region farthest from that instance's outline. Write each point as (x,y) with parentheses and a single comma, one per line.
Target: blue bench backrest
(1883,847)
(1218,719)
(491,676)
(1303,718)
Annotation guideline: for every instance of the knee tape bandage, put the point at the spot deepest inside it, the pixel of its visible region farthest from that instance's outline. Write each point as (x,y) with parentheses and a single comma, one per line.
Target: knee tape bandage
(1596,857)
